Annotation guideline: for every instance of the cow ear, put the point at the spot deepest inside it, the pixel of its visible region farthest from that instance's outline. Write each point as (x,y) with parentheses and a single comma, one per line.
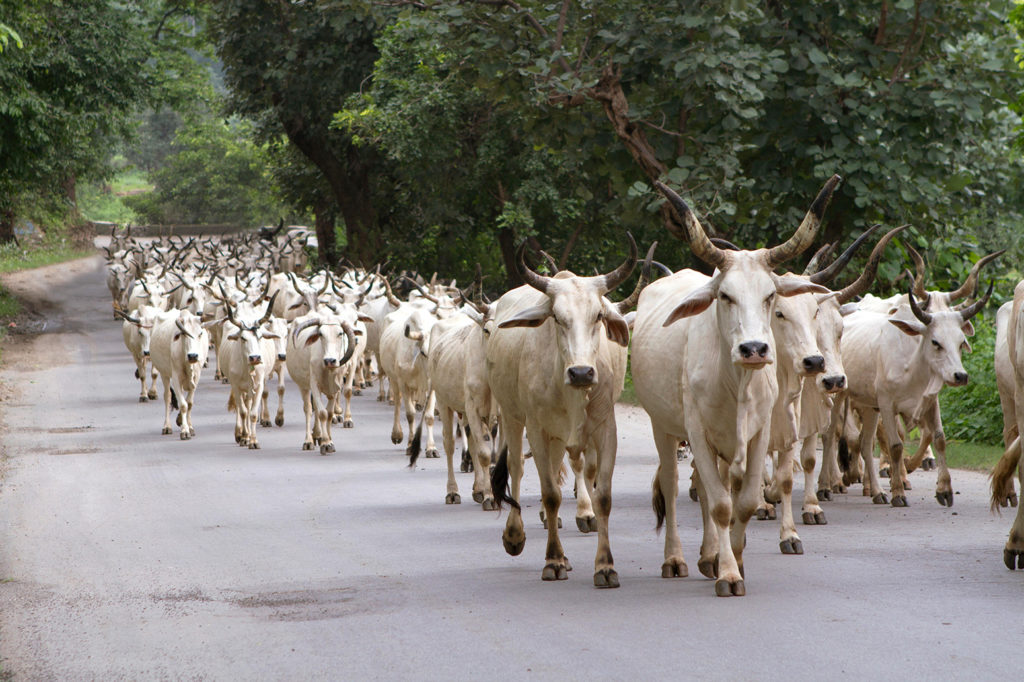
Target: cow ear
(848,308)
(270,335)
(410,334)
(614,324)
(531,317)
(630,318)
(313,338)
(966,347)
(967,328)
(365,318)
(695,303)
(233,337)
(908,327)
(791,285)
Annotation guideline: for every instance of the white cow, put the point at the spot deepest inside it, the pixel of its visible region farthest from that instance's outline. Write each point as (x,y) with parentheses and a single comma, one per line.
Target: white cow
(137,330)
(556,363)
(700,347)
(404,349)
(1002,475)
(179,348)
(245,355)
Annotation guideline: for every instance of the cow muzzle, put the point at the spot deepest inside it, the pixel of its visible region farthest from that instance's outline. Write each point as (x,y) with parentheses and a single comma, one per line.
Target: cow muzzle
(814,364)
(581,376)
(330,362)
(255,359)
(281,356)
(754,354)
(833,384)
(959,379)
(193,357)
(145,353)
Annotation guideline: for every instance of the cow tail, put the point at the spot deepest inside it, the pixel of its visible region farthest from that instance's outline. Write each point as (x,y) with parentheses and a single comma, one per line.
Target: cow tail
(174,401)
(231,402)
(413,451)
(499,481)
(1003,471)
(658,502)
(844,454)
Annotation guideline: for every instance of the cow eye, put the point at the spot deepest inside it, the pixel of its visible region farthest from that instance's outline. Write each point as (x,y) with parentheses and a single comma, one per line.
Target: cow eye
(600,316)
(725,298)
(778,314)
(938,346)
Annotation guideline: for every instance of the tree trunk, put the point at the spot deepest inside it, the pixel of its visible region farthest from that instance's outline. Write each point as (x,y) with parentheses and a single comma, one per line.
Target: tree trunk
(7,216)
(506,241)
(324,216)
(80,230)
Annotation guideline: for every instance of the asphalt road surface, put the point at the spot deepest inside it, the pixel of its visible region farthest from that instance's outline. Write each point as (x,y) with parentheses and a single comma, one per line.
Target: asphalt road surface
(125,554)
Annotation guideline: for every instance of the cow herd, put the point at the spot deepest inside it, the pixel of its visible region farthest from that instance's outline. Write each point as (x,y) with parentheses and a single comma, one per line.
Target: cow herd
(743,367)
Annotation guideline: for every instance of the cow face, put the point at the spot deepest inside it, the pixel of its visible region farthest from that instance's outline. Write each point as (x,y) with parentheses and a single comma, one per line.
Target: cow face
(191,335)
(417,328)
(276,329)
(795,332)
(943,339)
(828,325)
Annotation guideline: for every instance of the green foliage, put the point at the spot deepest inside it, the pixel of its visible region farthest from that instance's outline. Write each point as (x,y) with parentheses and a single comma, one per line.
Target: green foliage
(8,34)
(215,175)
(972,413)
(53,249)
(104,201)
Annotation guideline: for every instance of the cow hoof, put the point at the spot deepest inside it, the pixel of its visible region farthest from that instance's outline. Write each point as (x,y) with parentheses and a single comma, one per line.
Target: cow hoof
(381,399)
(224,380)
(584,523)
(396,440)
(554,571)
(824,495)
(478,496)
(356,391)
(880,498)
(151,395)
(766,514)
(513,548)
(945,498)
(264,422)
(928,464)
(1013,558)
(308,445)
(850,479)
(839,489)
(326,448)
(814,519)
(1012,499)
(899,501)
(143,399)
(606,578)
(693,495)
(724,588)
(279,421)
(185,435)
(489,504)
(254,445)
(708,567)
(674,568)
(792,546)
(431,453)
(166,431)
(883,472)
(452,498)
(348,424)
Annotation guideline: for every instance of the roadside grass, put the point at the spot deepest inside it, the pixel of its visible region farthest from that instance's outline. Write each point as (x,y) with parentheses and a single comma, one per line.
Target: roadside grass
(14,257)
(103,202)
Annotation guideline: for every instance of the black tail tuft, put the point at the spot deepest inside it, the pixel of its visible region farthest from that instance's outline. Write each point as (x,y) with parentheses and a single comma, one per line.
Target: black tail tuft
(174,401)
(499,482)
(844,454)
(658,503)
(413,451)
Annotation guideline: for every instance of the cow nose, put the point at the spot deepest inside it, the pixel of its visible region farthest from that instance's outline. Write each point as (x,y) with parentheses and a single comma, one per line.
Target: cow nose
(581,375)
(193,357)
(145,353)
(960,379)
(834,383)
(330,362)
(255,359)
(814,364)
(752,348)
(280,356)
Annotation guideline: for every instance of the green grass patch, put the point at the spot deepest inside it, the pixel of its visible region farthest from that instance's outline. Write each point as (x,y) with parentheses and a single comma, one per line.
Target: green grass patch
(14,257)
(973,456)
(104,202)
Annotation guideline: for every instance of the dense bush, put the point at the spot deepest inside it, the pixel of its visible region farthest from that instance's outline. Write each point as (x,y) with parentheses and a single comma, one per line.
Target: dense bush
(972,413)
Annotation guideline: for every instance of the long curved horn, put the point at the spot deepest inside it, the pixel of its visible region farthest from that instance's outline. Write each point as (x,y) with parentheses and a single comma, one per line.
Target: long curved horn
(423,292)
(970,286)
(630,301)
(270,308)
(535,280)
(613,279)
(825,276)
(306,324)
(916,309)
(181,328)
(861,284)
(819,257)
(698,238)
(804,234)
(552,265)
(725,244)
(392,299)
(351,336)
(664,269)
(919,268)
(973,309)
(126,316)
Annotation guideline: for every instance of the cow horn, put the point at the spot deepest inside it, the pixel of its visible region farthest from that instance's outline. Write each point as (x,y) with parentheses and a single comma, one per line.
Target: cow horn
(804,234)
(664,269)
(824,277)
(423,292)
(181,328)
(535,280)
(351,336)
(698,238)
(973,309)
(861,284)
(628,303)
(270,308)
(725,244)
(613,279)
(392,299)
(819,257)
(128,317)
(970,286)
(916,309)
(919,269)
(552,265)
(306,324)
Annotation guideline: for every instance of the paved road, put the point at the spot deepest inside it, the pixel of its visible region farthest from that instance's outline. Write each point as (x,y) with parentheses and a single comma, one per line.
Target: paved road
(125,554)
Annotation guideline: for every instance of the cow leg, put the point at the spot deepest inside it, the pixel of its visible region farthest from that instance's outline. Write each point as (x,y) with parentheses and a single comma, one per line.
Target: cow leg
(475,429)
(719,504)
(811,512)
(448,438)
(307,410)
(279,417)
(604,445)
(931,420)
(140,374)
(789,540)
(151,393)
(256,398)
(890,423)
(766,509)
(547,455)
(350,376)
(924,451)
(167,429)
(514,535)
(586,521)
(428,423)
(265,406)
(236,401)
(829,479)
(326,419)
(869,423)
(185,406)
(396,427)
(382,395)
(1013,553)
(664,491)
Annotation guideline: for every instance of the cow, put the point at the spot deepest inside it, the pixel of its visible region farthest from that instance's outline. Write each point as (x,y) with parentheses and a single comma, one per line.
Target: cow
(319,345)
(179,346)
(700,348)
(278,329)
(1011,324)
(244,353)
(137,332)
(896,367)
(556,363)
(1006,384)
